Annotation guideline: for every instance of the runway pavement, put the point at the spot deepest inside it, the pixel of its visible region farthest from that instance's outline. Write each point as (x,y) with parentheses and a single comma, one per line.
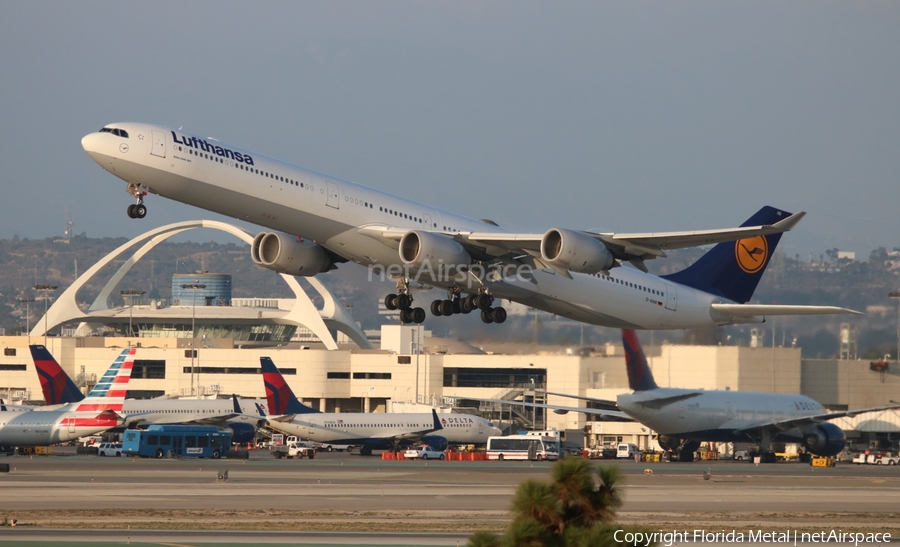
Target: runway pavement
(346,492)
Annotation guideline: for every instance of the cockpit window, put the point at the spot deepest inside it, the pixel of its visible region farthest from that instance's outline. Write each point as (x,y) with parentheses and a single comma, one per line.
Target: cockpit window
(116,132)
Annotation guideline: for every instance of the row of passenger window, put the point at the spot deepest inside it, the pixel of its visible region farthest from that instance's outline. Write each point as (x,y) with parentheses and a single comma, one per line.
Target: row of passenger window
(366,204)
(630,284)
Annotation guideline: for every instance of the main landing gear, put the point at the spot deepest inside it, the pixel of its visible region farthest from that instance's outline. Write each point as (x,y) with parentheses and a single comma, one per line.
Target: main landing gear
(456,303)
(403,302)
(137,210)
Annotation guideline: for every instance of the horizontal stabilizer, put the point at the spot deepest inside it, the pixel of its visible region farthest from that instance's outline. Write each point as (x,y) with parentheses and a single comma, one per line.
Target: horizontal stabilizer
(751,310)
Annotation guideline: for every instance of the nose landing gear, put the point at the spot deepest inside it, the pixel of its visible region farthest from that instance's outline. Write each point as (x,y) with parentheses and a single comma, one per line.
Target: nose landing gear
(137,210)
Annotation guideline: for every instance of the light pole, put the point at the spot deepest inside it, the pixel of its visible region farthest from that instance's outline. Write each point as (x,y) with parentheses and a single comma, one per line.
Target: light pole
(27,300)
(193,287)
(533,408)
(131,293)
(46,289)
(896,294)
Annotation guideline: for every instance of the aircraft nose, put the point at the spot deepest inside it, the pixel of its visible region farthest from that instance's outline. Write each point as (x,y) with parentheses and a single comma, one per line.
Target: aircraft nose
(88,142)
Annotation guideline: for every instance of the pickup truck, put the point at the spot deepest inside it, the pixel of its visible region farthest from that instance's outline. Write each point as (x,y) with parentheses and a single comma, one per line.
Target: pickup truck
(298,449)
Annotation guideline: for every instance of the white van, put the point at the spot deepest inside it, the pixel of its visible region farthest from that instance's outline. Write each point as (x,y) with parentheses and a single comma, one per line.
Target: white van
(627,450)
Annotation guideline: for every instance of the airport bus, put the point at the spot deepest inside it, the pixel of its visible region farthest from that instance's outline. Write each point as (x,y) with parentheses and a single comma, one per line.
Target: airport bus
(193,441)
(523,447)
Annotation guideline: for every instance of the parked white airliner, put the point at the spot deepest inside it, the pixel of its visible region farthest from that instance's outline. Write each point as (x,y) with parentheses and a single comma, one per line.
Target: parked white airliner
(372,430)
(322,221)
(58,388)
(99,411)
(684,418)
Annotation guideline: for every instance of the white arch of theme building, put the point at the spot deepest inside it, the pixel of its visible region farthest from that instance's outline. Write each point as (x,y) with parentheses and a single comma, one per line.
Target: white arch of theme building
(304,313)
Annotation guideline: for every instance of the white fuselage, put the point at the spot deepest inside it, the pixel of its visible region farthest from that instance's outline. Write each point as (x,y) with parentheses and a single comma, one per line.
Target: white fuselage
(331,211)
(716,415)
(362,428)
(46,427)
(175,411)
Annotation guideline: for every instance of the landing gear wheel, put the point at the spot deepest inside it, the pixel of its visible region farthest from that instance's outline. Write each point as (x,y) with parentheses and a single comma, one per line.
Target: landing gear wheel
(140,210)
(390,302)
(485,301)
(404,301)
(365,450)
(486,316)
(405,317)
(436,308)
(472,302)
(418,315)
(447,307)
(498,315)
(464,305)
(131,210)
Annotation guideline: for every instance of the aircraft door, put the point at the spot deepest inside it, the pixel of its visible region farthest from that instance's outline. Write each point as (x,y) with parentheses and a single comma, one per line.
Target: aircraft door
(671,297)
(71,424)
(159,144)
(334,195)
(426,221)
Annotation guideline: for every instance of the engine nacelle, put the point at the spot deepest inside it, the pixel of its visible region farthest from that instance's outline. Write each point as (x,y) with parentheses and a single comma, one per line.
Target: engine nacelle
(438,252)
(242,433)
(575,251)
(288,255)
(436,442)
(825,440)
(668,443)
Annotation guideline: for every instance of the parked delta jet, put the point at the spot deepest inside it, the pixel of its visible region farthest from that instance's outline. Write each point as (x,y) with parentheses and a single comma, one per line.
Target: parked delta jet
(321,221)
(58,389)
(377,430)
(684,418)
(99,411)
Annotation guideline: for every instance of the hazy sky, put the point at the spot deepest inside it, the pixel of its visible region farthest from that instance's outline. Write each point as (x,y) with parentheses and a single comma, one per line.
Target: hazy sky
(625,116)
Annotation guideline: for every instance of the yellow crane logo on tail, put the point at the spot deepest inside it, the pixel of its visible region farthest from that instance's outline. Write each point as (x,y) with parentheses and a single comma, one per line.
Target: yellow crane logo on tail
(751,253)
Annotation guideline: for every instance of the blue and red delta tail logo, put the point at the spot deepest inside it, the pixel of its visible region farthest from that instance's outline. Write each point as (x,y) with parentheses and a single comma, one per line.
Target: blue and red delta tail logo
(278,394)
(639,376)
(751,253)
(58,388)
(109,393)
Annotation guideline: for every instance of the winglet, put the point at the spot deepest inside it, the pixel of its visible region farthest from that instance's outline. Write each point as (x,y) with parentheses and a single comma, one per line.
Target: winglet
(437,421)
(279,395)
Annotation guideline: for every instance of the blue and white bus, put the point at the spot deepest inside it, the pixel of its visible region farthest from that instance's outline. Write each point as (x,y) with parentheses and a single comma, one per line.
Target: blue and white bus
(523,447)
(192,441)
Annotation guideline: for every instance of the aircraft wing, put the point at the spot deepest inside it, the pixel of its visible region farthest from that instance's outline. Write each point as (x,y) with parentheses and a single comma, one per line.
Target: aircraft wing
(636,247)
(416,436)
(784,425)
(752,310)
(558,409)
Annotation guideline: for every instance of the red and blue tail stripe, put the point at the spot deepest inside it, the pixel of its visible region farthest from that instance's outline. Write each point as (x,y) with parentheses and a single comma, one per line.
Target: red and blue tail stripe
(109,393)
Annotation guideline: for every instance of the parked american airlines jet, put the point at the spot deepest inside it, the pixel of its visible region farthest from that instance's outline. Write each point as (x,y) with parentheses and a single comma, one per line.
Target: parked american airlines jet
(99,411)
(321,221)
(375,430)
(684,418)
(59,389)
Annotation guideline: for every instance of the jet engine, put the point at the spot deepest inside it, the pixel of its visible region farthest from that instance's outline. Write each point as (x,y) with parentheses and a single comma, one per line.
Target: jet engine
(288,255)
(825,440)
(242,433)
(438,252)
(669,443)
(436,442)
(575,251)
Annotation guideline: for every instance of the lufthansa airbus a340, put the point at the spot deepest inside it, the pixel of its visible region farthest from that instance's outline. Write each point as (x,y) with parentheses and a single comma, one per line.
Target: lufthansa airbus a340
(320,221)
